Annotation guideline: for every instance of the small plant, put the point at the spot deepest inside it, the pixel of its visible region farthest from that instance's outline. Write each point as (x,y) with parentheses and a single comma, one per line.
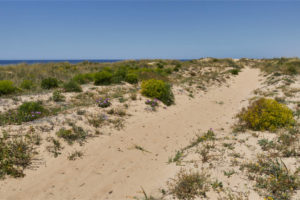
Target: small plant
(103,103)
(132,78)
(189,185)
(30,111)
(7,87)
(27,84)
(177,158)
(266,114)
(55,146)
(57,96)
(103,78)
(72,86)
(74,155)
(229,173)
(16,154)
(234,71)
(49,83)
(152,103)
(76,134)
(208,136)
(158,89)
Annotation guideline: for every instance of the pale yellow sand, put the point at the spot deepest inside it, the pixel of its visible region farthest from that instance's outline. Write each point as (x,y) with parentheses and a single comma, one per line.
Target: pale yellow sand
(112,169)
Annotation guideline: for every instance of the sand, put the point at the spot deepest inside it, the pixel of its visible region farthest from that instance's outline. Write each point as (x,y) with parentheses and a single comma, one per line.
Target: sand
(112,168)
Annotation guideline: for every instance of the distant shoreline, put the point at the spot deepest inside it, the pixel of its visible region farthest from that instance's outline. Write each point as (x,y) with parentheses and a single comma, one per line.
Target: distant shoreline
(14,62)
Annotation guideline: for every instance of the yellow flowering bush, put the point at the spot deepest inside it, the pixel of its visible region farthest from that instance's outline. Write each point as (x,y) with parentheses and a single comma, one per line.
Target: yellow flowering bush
(158,89)
(266,114)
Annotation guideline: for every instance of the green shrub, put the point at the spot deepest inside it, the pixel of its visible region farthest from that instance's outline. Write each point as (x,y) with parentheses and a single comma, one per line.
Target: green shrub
(57,96)
(7,87)
(70,136)
(27,84)
(291,70)
(15,155)
(132,78)
(234,71)
(83,78)
(119,75)
(72,86)
(189,185)
(266,114)
(177,67)
(49,83)
(158,89)
(103,78)
(30,111)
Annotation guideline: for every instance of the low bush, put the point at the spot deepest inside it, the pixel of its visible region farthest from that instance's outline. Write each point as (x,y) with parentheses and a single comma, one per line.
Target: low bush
(15,155)
(7,87)
(189,185)
(103,103)
(30,111)
(70,136)
(49,83)
(72,86)
(266,114)
(234,71)
(57,96)
(132,78)
(103,78)
(158,89)
(27,84)
(83,78)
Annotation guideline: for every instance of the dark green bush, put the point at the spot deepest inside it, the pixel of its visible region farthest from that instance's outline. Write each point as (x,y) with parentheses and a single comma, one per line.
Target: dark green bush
(83,78)
(27,84)
(177,67)
(158,89)
(7,87)
(132,78)
(119,75)
(234,71)
(72,86)
(103,78)
(49,83)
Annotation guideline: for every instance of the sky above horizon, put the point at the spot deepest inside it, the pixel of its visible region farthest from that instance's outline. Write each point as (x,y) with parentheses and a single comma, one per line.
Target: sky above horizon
(127,29)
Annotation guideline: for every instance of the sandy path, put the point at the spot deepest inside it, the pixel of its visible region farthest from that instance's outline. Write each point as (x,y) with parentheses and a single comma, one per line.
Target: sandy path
(113,169)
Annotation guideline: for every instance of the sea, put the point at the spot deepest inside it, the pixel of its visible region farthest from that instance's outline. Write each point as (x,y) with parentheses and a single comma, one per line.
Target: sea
(14,62)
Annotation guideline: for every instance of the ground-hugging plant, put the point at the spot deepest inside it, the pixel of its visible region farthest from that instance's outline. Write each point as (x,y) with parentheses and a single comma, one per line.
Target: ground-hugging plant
(158,89)
(188,185)
(266,114)
(57,96)
(15,155)
(30,111)
(7,87)
(49,83)
(103,103)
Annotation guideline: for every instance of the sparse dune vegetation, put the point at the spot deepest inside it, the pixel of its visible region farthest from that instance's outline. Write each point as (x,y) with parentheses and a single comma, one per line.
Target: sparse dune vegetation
(197,129)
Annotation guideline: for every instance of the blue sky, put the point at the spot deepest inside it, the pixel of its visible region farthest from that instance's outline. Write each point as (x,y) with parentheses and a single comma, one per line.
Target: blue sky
(148,29)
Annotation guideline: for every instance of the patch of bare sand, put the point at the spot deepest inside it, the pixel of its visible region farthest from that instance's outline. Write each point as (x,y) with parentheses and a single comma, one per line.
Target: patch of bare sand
(113,169)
